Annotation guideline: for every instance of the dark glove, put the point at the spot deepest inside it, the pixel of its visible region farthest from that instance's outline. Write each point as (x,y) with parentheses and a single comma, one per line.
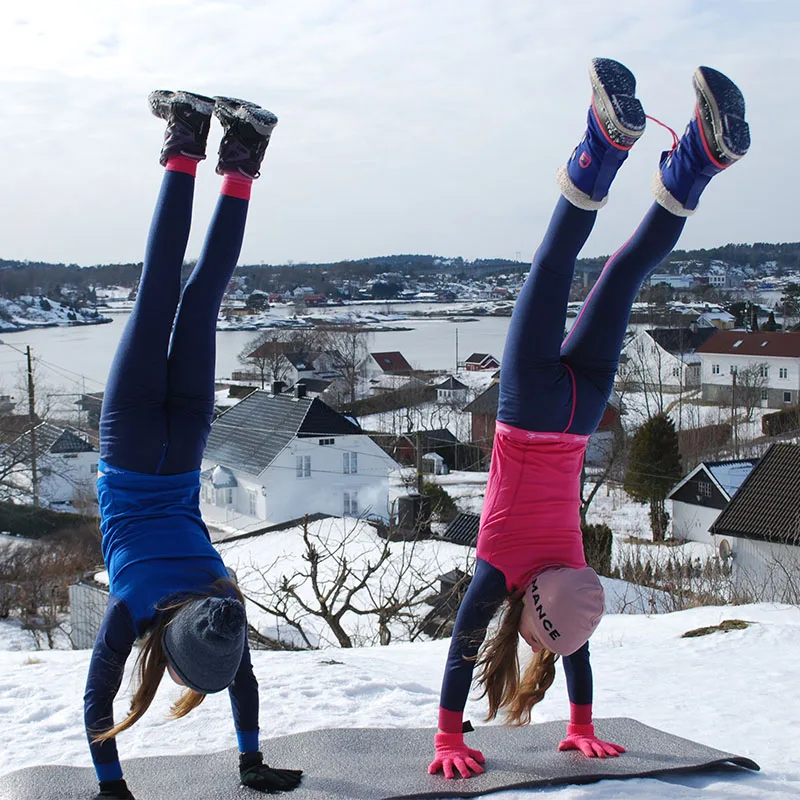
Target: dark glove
(257,775)
(114,790)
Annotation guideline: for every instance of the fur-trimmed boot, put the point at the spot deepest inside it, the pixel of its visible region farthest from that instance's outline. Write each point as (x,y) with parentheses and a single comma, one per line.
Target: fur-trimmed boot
(716,137)
(248,128)
(188,118)
(615,122)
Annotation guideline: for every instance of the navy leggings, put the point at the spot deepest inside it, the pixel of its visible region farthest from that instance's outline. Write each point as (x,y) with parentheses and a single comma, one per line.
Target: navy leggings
(159,399)
(547,384)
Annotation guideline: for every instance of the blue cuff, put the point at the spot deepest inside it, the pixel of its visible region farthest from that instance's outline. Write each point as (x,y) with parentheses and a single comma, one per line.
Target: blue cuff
(108,772)
(248,741)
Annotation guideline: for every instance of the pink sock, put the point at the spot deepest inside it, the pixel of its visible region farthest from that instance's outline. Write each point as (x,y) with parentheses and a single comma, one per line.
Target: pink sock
(182,164)
(234,184)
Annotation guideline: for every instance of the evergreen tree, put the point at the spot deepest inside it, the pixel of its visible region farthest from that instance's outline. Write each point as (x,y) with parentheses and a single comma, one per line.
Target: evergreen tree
(597,544)
(654,468)
(770,325)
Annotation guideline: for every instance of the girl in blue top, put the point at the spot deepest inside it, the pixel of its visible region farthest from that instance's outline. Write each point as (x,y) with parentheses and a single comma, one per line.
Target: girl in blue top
(169,587)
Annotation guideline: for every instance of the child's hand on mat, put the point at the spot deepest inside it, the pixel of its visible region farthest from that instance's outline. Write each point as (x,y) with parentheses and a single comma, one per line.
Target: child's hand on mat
(114,790)
(255,774)
(452,752)
(581,737)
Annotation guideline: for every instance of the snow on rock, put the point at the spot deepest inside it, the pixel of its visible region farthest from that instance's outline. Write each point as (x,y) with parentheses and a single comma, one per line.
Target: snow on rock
(27,312)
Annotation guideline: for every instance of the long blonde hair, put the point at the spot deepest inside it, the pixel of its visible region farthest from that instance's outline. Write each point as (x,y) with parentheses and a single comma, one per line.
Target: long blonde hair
(151,663)
(499,671)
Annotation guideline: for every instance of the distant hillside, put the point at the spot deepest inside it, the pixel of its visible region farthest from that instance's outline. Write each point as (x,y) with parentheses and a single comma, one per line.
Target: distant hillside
(29,277)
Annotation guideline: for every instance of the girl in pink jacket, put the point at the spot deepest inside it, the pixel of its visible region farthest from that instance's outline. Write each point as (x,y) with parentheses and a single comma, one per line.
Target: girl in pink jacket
(552,397)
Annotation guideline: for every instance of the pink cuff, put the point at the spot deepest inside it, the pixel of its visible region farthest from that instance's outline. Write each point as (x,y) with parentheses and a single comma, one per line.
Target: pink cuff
(580,730)
(580,715)
(234,184)
(448,740)
(450,721)
(182,164)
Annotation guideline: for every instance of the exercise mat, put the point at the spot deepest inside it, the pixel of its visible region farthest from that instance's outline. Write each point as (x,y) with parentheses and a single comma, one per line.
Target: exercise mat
(389,764)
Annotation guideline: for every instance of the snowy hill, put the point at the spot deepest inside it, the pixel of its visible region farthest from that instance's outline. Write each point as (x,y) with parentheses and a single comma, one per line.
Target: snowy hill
(735,691)
(27,312)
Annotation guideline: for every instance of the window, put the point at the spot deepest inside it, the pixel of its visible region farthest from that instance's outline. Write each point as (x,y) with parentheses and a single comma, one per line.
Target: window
(715,369)
(676,372)
(350,506)
(704,488)
(93,468)
(763,370)
(224,497)
(323,442)
(734,369)
(764,395)
(303,466)
(350,463)
(783,372)
(787,397)
(251,502)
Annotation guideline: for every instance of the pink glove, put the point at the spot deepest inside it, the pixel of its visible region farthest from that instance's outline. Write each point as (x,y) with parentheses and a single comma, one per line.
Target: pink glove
(581,737)
(452,752)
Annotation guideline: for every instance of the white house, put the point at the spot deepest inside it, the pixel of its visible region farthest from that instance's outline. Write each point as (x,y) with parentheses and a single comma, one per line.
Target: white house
(451,391)
(720,319)
(273,458)
(66,467)
(700,496)
(386,372)
(759,530)
(663,358)
(762,361)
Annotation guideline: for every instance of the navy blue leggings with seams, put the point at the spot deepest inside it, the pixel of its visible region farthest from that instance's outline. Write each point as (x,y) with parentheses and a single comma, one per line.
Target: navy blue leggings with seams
(159,399)
(547,384)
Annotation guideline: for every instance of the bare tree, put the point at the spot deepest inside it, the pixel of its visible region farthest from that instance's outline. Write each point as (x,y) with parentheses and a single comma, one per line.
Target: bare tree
(348,349)
(267,352)
(750,382)
(344,583)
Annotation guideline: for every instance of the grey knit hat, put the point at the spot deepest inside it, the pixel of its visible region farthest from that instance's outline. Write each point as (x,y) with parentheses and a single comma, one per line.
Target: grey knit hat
(204,643)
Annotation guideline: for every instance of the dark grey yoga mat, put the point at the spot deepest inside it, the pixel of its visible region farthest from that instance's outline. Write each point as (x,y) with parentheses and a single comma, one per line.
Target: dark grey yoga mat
(388,763)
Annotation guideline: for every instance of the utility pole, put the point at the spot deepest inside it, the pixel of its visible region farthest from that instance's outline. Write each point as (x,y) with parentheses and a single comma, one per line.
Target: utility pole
(32,423)
(456,351)
(420,479)
(733,415)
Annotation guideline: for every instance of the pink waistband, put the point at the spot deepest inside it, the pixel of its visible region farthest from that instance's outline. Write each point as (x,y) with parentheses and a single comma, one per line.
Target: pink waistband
(520,435)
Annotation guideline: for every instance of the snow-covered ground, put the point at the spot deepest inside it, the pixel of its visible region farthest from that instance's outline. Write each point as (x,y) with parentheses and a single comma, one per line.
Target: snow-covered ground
(735,691)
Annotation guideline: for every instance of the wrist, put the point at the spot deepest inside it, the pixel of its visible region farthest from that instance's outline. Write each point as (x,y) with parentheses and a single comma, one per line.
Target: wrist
(249,760)
(580,714)
(451,721)
(448,740)
(580,730)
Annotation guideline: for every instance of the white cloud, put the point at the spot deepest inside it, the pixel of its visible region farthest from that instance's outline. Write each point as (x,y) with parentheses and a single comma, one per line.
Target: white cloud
(404,127)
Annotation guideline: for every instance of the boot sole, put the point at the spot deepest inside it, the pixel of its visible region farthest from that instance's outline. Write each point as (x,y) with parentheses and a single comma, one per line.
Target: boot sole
(229,110)
(720,112)
(161,101)
(618,111)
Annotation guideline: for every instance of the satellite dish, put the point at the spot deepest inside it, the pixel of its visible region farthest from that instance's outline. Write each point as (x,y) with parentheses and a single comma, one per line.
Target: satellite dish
(725,550)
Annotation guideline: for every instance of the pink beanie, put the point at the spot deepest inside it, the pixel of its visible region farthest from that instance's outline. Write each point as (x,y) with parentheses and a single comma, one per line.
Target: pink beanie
(562,607)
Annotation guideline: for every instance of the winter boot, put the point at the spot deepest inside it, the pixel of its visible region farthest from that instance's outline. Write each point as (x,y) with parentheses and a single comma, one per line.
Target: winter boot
(616,120)
(716,137)
(247,131)
(188,119)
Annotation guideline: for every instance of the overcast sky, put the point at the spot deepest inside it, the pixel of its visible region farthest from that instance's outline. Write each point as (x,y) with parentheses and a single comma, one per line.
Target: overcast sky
(406,126)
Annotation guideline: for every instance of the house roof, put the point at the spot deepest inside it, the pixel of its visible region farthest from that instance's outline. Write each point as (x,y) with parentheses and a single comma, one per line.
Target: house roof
(49,439)
(393,361)
(315,385)
(434,438)
(486,402)
(220,477)
(451,383)
(300,361)
(766,505)
(727,475)
(481,358)
(252,433)
(463,530)
(761,343)
(680,340)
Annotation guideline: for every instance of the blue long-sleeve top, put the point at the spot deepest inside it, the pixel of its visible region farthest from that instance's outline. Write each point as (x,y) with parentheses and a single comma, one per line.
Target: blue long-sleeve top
(155,546)
(483,598)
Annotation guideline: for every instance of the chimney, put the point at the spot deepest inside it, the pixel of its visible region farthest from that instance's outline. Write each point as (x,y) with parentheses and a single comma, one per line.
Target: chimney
(277,387)
(300,390)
